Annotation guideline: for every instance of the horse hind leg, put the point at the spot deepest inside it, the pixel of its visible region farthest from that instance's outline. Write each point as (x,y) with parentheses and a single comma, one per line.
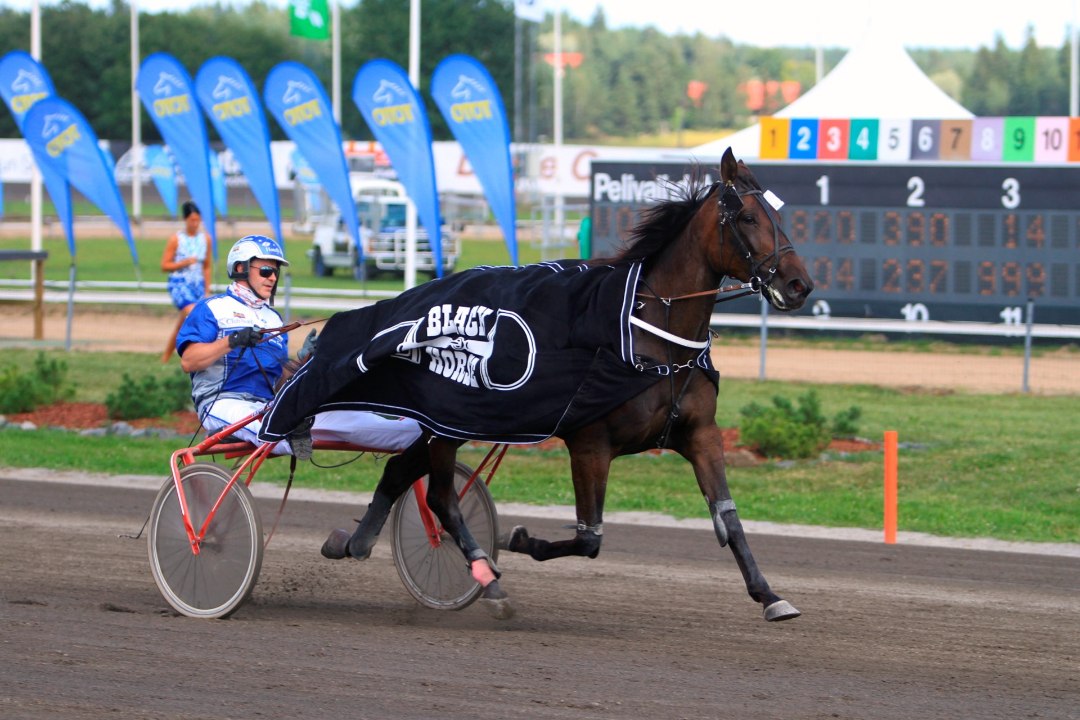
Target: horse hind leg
(398,475)
(443,501)
(729,531)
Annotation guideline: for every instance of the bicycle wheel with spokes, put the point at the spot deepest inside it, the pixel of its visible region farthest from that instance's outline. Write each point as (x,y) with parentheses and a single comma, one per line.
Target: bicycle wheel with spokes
(437,575)
(217,580)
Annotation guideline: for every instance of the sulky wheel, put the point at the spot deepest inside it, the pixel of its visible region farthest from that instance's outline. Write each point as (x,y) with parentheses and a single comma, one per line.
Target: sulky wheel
(439,577)
(214,583)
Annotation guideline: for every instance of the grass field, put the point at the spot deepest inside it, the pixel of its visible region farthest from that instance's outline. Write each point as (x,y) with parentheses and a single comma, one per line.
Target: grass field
(971,465)
(107,259)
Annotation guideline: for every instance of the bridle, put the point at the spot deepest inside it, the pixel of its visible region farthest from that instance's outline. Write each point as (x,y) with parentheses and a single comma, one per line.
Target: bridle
(731,204)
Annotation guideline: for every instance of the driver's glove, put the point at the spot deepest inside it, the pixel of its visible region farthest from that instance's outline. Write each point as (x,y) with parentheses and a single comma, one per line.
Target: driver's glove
(245,337)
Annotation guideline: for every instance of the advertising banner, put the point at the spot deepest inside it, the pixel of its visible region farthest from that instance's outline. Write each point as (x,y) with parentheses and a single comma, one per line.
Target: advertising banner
(470,101)
(297,100)
(229,98)
(23,81)
(162,172)
(395,113)
(62,140)
(217,184)
(165,89)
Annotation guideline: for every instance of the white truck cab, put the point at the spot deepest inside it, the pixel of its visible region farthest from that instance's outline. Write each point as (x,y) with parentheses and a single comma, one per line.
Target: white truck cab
(380,209)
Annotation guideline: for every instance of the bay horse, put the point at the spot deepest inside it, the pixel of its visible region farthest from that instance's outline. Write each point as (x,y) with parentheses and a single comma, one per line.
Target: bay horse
(687,246)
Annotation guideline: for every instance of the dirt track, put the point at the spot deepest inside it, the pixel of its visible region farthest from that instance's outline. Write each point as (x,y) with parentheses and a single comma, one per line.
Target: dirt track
(1054,373)
(658,626)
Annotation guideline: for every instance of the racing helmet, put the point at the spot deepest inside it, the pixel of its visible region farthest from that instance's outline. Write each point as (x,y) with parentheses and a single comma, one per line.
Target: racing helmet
(253,246)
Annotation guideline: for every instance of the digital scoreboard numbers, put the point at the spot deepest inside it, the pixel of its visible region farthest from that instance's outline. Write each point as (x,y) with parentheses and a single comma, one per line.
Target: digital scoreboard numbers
(935,242)
(916,241)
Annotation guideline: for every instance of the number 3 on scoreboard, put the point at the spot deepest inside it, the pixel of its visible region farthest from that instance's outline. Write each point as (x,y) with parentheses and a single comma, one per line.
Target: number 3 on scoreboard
(1011,197)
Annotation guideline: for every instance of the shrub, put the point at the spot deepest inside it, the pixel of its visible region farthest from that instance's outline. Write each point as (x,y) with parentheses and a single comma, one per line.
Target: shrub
(146,397)
(43,385)
(793,431)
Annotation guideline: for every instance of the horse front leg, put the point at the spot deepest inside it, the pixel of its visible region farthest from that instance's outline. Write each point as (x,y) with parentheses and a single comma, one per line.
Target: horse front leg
(443,500)
(400,472)
(706,453)
(589,464)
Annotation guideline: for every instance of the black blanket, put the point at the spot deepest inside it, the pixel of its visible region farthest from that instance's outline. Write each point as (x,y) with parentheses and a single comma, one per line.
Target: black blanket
(501,354)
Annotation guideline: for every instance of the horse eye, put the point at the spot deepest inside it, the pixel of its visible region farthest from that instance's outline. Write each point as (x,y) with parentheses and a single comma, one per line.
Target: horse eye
(749,219)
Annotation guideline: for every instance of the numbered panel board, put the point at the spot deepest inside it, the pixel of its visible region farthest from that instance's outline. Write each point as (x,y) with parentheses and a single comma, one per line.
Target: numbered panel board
(934,241)
(1049,140)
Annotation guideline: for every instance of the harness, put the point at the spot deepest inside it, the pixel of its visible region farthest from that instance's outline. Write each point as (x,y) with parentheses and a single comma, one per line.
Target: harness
(731,203)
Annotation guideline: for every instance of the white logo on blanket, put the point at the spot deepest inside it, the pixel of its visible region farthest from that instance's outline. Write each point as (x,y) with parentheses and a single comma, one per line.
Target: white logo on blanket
(459,344)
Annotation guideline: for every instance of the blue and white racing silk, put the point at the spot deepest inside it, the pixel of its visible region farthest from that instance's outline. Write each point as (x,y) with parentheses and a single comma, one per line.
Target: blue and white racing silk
(245,374)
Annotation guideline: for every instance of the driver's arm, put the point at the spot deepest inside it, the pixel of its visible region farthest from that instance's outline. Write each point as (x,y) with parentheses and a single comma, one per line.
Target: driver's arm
(198,356)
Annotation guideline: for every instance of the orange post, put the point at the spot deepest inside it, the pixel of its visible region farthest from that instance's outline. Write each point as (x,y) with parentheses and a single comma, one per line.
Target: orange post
(890,487)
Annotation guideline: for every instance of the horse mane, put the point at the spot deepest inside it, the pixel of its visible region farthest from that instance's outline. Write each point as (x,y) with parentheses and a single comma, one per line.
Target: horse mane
(661,223)
(288,369)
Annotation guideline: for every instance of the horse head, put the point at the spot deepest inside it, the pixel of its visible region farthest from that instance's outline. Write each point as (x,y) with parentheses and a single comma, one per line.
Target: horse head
(753,246)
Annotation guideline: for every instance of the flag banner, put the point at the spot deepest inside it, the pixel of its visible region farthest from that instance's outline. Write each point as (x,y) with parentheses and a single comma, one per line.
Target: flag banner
(165,89)
(163,173)
(217,183)
(24,81)
(297,100)
(230,99)
(473,107)
(305,175)
(394,112)
(529,10)
(309,19)
(60,137)
(109,160)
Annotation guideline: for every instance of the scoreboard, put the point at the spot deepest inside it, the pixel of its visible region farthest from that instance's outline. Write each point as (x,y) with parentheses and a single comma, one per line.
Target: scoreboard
(913,239)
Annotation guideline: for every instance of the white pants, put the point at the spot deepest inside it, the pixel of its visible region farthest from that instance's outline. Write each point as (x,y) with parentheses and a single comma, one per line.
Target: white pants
(365,429)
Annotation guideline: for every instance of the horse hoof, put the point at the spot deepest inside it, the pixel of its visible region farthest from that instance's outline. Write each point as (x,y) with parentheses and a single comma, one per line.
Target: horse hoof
(781,610)
(519,540)
(336,546)
(498,609)
(497,603)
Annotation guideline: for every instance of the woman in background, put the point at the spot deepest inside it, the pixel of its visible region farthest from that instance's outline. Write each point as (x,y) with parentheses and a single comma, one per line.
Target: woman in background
(188,258)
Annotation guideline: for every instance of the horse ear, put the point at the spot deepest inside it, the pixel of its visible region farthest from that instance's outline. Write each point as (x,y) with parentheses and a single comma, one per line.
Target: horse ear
(729,167)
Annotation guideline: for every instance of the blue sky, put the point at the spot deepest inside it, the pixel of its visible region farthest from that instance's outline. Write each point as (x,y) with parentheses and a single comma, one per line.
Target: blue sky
(831,23)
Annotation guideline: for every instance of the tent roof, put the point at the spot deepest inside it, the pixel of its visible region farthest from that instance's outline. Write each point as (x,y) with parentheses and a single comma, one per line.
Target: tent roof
(876,79)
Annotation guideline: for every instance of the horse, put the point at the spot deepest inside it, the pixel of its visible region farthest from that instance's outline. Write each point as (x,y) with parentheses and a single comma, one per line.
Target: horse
(686,245)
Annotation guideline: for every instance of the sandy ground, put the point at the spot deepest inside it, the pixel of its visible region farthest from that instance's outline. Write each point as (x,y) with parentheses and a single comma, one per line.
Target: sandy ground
(659,626)
(1051,373)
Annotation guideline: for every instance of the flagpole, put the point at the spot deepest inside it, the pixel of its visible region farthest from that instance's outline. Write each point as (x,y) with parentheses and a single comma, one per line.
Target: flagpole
(1074,67)
(410,207)
(35,176)
(558,125)
(335,58)
(136,120)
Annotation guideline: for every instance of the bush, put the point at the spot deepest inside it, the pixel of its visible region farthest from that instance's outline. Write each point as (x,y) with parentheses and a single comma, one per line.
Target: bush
(793,431)
(43,385)
(146,397)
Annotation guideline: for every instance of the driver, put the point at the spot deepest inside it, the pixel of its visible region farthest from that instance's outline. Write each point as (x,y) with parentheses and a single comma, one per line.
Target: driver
(234,369)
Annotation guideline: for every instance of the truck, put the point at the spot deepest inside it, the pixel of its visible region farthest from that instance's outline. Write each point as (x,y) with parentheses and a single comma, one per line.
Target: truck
(380,209)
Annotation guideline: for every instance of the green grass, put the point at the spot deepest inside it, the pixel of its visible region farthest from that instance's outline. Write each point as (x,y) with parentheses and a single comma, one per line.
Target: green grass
(108,259)
(997,466)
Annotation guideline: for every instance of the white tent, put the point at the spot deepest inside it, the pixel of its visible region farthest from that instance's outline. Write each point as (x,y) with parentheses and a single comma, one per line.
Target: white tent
(876,79)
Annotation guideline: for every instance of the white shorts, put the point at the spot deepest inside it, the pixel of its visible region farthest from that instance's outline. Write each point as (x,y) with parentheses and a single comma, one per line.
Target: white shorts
(364,429)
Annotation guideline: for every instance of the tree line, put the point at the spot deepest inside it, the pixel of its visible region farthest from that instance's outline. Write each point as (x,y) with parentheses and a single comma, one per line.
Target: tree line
(621,83)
